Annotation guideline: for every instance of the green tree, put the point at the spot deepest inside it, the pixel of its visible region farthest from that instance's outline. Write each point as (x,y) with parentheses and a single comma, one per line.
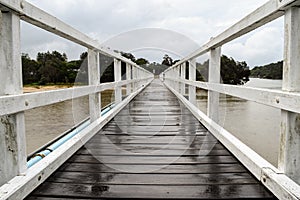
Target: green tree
(167,60)
(157,68)
(30,70)
(232,72)
(129,56)
(142,61)
(53,68)
(270,71)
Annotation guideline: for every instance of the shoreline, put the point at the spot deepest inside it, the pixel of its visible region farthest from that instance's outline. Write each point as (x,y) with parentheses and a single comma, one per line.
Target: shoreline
(40,88)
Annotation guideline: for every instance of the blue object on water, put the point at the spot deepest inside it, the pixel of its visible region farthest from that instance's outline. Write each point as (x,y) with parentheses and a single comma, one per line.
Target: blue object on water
(40,155)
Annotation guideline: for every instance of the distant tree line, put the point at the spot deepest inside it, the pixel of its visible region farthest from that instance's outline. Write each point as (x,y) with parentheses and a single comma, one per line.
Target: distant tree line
(270,71)
(50,68)
(54,67)
(232,72)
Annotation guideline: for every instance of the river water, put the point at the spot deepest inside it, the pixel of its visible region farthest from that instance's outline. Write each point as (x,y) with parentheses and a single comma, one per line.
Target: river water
(256,125)
(45,123)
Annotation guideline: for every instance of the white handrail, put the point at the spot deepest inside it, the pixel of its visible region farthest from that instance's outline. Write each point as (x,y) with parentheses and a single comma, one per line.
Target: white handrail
(17,103)
(275,98)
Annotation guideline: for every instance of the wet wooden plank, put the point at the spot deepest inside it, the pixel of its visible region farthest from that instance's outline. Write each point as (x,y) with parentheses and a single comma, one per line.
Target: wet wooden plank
(116,139)
(173,168)
(146,134)
(117,151)
(146,191)
(153,160)
(152,178)
(153,129)
(137,102)
(52,198)
(155,147)
(157,160)
(198,132)
(151,122)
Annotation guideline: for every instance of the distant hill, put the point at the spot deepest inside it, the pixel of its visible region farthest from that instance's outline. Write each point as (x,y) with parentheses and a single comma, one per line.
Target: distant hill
(270,71)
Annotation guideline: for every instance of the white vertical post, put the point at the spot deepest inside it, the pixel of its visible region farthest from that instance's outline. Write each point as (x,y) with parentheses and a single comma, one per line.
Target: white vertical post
(177,76)
(289,156)
(128,77)
(132,78)
(192,77)
(94,79)
(118,89)
(12,127)
(136,76)
(173,76)
(183,77)
(214,77)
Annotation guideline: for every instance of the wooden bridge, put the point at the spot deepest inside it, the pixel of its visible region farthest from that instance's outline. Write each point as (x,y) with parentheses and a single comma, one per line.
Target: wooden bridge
(152,153)
(155,142)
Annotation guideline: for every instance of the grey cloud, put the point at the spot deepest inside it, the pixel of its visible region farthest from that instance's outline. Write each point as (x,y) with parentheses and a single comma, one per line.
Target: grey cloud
(106,19)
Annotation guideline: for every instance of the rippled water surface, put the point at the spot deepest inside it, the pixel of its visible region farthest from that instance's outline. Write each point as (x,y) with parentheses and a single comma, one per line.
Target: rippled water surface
(255,124)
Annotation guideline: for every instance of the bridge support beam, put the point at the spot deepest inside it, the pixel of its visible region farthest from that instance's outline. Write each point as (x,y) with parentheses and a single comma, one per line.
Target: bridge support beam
(214,77)
(117,74)
(94,79)
(289,156)
(192,77)
(12,127)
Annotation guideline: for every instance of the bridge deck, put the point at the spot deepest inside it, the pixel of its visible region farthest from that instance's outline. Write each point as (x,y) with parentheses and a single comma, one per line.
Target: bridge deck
(154,148)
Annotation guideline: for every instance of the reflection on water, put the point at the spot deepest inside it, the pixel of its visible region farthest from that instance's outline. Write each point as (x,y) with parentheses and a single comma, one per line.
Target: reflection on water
(257,125)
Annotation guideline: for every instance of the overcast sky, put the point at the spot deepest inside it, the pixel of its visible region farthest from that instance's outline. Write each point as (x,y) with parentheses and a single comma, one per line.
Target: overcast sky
(151,28)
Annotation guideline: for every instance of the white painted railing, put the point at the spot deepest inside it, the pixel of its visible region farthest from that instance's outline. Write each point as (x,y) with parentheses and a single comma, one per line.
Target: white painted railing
(16,181)
(282,181)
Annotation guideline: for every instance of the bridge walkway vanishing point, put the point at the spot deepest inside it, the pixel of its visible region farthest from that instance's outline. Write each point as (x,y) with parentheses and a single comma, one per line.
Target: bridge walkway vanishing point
(153,148)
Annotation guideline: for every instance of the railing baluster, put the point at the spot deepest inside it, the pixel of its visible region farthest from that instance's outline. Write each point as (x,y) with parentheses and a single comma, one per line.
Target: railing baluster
(192,77)
(214,77)
(183,69)
(94,79)
(132,77)
(289,155)
(177,75)
(118,89)
(12,127)
(173,75)
(138,77)
(128,77)
(135,77)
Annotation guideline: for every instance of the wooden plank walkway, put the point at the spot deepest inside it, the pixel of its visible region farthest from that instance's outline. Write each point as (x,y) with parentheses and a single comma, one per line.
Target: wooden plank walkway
(154,148)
